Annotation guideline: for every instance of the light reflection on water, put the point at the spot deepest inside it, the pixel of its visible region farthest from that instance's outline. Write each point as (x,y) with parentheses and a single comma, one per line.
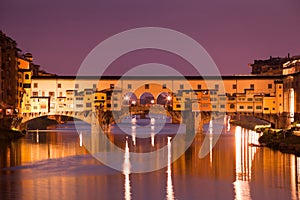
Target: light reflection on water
(55,165)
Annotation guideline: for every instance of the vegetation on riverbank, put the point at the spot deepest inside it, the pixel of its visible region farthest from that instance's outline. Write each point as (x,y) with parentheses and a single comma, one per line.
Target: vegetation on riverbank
(286,141)
(282,140)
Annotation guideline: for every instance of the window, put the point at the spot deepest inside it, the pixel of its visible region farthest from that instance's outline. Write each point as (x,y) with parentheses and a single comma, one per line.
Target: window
(232,106)
(181,86)
(214,106)
(59,85)
(146,86)
(251,86)
(269,86)
(35,85)
(279,95)
(258,107)
(273,108)
(51,94)
(43,93)
(129,86)
(88,105)
(79,106)
(35,94)
(26,85)
(26,76)
(279,86)
(199,86)
(112,86)
(164,86)
(178,106)
(258,99)
(231,98)
(115,105)
(222,106)
(266,108)
(241,107)
(249,107)
(94,86)
(249,99)
(216,86)
(76,85)
(234,86)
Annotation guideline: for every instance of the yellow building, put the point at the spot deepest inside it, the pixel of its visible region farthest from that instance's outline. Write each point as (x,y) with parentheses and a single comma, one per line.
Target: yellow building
(24,84)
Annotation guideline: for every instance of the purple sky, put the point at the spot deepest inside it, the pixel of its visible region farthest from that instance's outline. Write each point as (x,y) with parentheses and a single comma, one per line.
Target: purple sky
(60,33)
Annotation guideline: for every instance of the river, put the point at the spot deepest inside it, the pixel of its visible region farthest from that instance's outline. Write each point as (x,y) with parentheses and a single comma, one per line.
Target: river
(55,164)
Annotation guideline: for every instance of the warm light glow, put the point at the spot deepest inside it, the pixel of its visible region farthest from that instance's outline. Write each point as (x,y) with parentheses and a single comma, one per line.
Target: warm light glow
(133,134)
(152,136)
(80,139)
(244,158)
(292,104)
(133,102)
(126,98)
(170,191)
(126,172)
(152,121)
(169,98)
(152,101)
(37,136)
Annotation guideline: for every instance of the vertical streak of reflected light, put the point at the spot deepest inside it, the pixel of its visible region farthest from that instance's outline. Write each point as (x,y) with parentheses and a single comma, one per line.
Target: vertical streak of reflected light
(133,134)
(210,150)
(170,191)
(80,139)
(126,172)
(37,136)
(228,124)
(152,135)
(244,158)
(293,176)
(241,187)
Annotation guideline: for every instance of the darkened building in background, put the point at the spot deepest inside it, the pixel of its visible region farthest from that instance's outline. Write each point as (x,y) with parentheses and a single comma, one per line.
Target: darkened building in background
(8,72)
(272,66)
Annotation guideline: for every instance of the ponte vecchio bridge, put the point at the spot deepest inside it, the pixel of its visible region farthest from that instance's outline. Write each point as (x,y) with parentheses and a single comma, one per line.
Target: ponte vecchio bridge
(81,97)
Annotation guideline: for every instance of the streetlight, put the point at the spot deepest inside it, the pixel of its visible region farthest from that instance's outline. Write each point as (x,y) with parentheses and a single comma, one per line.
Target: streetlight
(169,98)
(133,102)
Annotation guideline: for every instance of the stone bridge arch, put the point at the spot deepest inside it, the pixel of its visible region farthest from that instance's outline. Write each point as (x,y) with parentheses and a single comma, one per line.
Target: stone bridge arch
(85,116)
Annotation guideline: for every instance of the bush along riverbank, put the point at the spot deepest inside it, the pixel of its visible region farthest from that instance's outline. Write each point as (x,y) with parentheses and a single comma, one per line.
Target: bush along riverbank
(283,140)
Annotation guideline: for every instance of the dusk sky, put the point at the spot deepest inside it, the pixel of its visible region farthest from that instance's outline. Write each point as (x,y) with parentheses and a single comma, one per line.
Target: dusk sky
(60,33)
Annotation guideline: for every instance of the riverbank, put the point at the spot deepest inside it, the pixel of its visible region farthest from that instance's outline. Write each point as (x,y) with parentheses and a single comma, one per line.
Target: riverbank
(10,134)
(284,141)
(249,122)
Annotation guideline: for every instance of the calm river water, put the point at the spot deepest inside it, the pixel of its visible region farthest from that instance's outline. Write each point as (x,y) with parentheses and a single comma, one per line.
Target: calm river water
(55,165)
